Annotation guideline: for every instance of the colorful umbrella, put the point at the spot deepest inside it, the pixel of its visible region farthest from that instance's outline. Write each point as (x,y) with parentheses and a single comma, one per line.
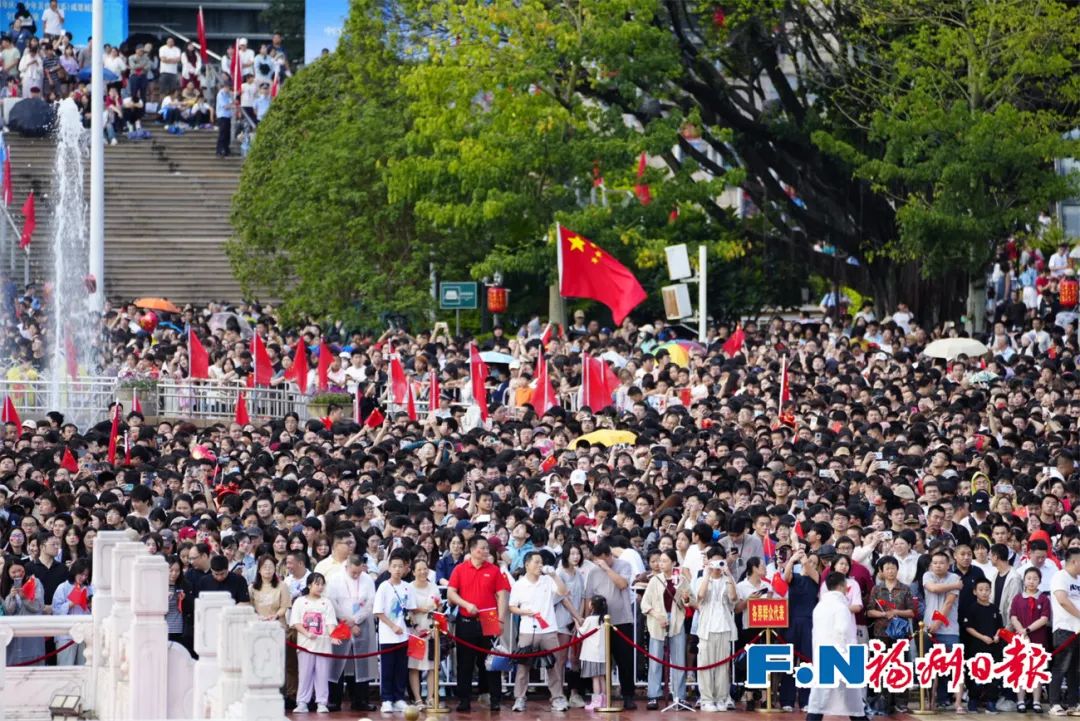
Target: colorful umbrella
(162,304)
(679,355)
(606,437)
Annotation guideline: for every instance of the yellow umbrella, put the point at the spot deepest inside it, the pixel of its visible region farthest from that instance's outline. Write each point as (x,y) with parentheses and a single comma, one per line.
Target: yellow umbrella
(606,437)
(679,355)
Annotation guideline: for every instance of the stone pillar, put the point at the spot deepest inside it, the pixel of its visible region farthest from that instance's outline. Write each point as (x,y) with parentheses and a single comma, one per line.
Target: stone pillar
(231,655)
(208,609)
(148,639)
(103,601)
(263,671)
(114,677)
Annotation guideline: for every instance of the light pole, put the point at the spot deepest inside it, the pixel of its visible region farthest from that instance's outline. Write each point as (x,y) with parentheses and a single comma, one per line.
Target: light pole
(97,156)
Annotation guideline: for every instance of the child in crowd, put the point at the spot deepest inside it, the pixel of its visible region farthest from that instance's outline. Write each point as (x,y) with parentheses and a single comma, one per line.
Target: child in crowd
(1030,616)
(314,619)
(593,653)
(392,599)
(981,623)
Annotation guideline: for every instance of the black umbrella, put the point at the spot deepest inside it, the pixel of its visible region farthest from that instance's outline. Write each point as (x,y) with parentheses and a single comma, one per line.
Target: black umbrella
(32,117)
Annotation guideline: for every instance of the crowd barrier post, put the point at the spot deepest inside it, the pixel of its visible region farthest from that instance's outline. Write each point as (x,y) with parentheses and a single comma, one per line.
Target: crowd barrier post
(768,688)
(922,710)
(608,707)
(435,704)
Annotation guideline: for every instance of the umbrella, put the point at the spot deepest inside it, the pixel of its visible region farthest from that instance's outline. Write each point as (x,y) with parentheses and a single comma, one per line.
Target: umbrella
(32,117)
(949,348)
(162,304)
(220,321)
(107,75)
(497,358)
(679,355)
(614,358)
(691,346)
(606,438)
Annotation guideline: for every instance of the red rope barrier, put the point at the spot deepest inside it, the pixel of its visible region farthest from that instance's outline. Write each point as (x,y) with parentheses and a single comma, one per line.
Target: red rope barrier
(536,654)
(644,652)
(49,655)
(1064,645)
(349,657)
(794,650)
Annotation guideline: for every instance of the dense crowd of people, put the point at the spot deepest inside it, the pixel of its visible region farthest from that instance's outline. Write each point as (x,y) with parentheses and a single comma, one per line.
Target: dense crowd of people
(898,487)
(40,59)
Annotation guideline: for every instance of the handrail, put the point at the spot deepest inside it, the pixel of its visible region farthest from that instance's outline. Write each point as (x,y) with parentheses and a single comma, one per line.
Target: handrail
(186,39)
(42,625)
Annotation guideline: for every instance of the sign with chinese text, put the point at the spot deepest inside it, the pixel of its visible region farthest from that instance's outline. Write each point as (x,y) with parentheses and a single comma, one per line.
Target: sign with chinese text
(767,612)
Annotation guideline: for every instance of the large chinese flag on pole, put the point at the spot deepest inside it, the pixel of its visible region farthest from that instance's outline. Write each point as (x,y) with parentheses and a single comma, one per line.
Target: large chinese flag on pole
(543,398)
(30,221)
(587,271)
(200,29)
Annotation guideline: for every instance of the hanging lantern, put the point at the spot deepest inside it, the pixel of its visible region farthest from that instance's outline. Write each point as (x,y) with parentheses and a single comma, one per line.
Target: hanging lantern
(498,299)
(1068,292)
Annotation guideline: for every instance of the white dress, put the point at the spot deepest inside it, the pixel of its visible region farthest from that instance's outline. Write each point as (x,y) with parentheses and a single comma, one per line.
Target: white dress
(834,625)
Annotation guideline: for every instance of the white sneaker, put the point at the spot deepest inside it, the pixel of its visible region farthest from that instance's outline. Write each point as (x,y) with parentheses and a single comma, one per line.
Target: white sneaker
(787,709)
(387,707)
(301,709)
(112,142)
(1057,710)
(322,708)
(400,705)
(708,708)
(559,704)
(576,701)
(519,704)
(726,705)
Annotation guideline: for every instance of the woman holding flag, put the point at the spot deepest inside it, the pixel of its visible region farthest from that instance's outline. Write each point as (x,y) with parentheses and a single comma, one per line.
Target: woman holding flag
(72,598)
(23,596)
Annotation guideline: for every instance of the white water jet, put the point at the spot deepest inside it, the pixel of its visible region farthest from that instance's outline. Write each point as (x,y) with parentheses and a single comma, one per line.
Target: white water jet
(76,329)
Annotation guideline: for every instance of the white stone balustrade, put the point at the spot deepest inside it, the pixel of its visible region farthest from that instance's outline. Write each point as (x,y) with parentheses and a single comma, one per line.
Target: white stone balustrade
(27,690)
(208,610)
(263,671)
(230,655)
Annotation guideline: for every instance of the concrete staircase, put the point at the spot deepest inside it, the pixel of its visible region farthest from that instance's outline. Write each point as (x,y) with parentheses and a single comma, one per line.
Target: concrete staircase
(167,205)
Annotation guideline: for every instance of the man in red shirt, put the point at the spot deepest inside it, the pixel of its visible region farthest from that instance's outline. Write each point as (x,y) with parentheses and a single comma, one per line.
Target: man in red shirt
(477,585)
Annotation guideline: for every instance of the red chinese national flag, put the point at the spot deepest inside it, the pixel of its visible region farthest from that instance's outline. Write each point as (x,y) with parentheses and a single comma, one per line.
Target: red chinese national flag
(326,357)
(478,373)
(375,419)
(114,433)
(548,463)
(597,386)
(298,372)
(198,358)
(29,588)
(261,359)
(1006,635)
(417,647)
(341,632)
(410,402)
(68,462)
(587,271)
(399,384)
(78,596)
(200,30)
(735,342)
(10,414)
(489,622)
(274,88)
(543,397)
(779,585)
(241,416)
(441,621)
(30,216)
(940,617)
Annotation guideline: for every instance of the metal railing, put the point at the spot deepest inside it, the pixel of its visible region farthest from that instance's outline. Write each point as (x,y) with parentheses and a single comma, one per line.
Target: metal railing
(201,400)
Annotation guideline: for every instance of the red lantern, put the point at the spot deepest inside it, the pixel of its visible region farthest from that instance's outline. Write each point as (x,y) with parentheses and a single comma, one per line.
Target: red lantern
(148,322)
(1068,292)
(497,299)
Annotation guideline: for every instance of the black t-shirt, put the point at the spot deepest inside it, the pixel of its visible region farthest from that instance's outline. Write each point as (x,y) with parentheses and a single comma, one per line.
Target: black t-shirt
(50,578)
(233,584)
(984,619)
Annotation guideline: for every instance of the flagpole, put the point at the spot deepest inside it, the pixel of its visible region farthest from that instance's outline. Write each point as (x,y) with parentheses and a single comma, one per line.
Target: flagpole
(780,394)
(556,305)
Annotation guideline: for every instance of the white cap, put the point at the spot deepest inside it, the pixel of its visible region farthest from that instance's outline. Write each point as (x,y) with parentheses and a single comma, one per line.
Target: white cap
(241,41)
(577,477)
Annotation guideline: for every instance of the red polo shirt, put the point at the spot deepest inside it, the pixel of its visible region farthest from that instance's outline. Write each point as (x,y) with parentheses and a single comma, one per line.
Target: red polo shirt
(478,586)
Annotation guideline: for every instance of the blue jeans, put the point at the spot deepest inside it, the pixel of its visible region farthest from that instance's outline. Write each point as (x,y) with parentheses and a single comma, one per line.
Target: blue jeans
(676,655)
(948,640)
(394,670)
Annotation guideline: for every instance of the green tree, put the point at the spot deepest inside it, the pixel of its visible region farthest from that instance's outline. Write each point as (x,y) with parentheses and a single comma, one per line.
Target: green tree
(287,17)
(314,224)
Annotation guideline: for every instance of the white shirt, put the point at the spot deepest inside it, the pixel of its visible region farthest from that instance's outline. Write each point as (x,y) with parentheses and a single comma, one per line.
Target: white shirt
(53,20)
(296,585)
(393,601)
(1063,620)
(353,598)
(170,59)
(634,559)
(539,596)
(746,590)
(717,613)
(1048,570)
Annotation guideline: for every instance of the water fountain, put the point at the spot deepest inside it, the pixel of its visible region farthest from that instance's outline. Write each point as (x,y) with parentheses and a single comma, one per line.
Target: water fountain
(76,329)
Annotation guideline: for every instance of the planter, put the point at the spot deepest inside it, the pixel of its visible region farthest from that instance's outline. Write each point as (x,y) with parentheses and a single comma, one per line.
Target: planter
(148,399)
(319,405)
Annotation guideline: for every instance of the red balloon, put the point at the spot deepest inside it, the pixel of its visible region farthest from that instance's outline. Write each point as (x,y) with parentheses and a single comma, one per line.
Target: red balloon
(148,322)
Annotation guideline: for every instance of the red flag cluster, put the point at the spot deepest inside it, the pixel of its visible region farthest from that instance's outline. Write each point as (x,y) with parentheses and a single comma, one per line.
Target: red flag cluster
(598,383)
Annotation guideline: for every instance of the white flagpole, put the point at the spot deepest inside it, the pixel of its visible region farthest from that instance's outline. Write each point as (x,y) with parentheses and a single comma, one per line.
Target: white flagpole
(780,395)
(558,252)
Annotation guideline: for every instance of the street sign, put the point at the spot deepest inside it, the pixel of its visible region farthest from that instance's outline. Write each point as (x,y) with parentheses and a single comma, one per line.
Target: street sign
(457,296)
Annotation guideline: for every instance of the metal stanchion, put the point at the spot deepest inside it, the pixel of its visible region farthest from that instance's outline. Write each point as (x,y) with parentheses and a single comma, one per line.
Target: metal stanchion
(608,707)
(768,688)
(435,704)
(922,710)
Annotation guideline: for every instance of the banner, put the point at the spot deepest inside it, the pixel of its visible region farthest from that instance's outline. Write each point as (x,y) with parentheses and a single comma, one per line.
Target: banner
(77,18)
(323,23)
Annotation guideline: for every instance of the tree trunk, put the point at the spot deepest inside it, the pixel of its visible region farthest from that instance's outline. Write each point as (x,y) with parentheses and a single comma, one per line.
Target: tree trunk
(976,303)
(556,306)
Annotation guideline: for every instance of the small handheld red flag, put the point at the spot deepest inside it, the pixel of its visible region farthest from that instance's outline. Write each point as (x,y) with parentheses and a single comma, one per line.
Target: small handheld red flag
(548,463)
(543,398)
(29,588)
(68,462)
(478,373)
(489,622)
(10,414)
(735,342)
(78,596)
(30,216)
(274,88)
(940,617)
(375,419)
(441,622)
(779,585)
(1006,635)
(198,358)
(341,632)
(242,416)
(410,404)
(417,647)
(541,622)
(326,357)
(114,434)
(398,381)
